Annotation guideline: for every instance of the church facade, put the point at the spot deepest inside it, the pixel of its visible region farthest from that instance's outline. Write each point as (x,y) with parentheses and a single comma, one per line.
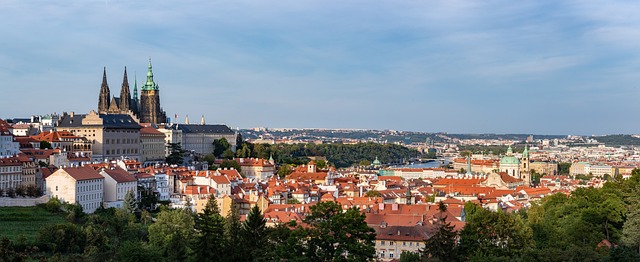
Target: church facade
(146,108)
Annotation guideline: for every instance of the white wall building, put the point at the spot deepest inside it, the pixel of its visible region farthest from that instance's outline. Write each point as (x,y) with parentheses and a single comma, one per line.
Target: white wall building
(82,185)
(10,173)
(117,182)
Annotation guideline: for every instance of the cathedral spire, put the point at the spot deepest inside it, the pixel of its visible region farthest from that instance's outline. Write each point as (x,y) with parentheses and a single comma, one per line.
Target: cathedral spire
(125,95)
(202,120)
(105,94)
(135,87)
(150,85)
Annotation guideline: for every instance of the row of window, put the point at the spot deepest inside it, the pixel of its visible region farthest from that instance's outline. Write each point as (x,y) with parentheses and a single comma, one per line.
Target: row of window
(10,177)
(404,243)
(124,151)
(121,131)
(124,141)
(96,196)
(11,169)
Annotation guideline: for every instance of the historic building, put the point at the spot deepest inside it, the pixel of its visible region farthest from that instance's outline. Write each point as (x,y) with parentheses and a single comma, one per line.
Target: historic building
(150,110)
(112,135)
(146,108)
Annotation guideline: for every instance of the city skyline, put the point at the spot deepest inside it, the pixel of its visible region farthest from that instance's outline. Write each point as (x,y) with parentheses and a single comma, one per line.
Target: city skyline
(451,66)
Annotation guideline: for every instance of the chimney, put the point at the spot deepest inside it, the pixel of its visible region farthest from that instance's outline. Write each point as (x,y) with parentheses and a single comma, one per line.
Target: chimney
(72,114)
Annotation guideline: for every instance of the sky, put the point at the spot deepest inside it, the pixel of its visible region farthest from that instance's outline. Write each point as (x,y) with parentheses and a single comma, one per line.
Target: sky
(533,67)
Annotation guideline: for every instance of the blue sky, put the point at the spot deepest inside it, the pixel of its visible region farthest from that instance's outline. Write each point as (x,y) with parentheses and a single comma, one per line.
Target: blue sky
(543,67)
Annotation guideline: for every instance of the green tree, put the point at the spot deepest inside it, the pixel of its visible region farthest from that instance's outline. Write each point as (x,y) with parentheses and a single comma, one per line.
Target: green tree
(321,164)
(407,256)
(364,163)
(293,201)
(61,238)
(563,168)
(442,245)
(372,193)
(170,233)
(210,227)
(130,204)
(228,154)
(134,251)
(284,171)
(244,151)
(494,235)
(335,235)
(45,145)
(230,164)
(232,231)
(219,146)
(176,154)
(254,234)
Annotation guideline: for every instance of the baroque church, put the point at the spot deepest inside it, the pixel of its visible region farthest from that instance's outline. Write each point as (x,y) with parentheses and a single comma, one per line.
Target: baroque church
(146,108)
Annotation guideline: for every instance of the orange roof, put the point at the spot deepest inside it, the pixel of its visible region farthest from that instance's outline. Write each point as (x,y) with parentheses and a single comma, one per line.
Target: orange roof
(82,173)
(120,175)
(150,131)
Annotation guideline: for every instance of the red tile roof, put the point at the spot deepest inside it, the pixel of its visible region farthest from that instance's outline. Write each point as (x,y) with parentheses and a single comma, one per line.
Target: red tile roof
(82,173)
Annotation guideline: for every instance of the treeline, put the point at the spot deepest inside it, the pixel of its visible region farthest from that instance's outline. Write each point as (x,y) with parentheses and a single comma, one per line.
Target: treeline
(592,224)
(338,155)
(618,140)
(329,234)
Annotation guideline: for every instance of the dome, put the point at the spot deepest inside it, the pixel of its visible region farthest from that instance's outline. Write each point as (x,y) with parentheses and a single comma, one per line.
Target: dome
(509,160)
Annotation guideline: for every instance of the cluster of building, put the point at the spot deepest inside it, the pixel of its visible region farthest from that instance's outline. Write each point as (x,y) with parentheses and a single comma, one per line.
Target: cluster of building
(95,159)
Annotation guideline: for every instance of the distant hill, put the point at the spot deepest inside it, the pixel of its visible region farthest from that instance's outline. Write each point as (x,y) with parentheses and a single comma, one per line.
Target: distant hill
(618,140)
(389,136)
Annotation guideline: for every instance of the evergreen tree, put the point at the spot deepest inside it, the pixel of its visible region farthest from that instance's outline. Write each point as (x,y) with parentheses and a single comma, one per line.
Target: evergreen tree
(335,235)
(210,227)
(171,231)
(441,246)
(232,231)
(176,154)
(254,234)
(130,204)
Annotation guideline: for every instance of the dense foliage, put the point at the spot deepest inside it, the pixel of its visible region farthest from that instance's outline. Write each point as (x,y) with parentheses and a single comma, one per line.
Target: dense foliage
(592,224)
(329,234)
(338,155)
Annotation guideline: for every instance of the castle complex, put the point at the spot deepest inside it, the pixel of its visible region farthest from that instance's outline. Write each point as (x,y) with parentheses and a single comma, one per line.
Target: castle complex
(147,108)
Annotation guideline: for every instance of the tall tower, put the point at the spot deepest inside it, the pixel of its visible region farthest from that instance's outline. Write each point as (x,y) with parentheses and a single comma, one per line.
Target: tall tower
(125,96)
(134,101)
(103,100)
(150,110)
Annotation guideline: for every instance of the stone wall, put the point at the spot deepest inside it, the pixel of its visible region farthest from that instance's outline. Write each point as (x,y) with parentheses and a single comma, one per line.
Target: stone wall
(22,202)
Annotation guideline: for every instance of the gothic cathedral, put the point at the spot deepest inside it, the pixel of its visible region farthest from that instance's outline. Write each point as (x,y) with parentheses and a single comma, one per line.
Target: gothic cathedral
(147,109)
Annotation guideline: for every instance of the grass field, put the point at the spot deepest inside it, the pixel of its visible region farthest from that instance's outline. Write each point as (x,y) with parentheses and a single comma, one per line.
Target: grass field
(27,221)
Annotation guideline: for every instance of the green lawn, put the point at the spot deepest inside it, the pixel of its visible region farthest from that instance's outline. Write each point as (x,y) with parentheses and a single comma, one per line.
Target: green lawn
(27,221)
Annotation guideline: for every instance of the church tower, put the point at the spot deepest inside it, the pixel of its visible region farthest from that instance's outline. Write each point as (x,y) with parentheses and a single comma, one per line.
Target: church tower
(125,95)
(525,173)
(105,95)
(150,110)
(134,101)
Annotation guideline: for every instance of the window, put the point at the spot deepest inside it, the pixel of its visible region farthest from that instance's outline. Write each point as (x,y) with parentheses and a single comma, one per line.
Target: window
(56,188)
(391,243)
(382,254)
(390,254)
(404,243)
(382,243)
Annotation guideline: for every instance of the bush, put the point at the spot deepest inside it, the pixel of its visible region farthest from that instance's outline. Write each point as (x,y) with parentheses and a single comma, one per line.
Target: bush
(11,193)
(53,205)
